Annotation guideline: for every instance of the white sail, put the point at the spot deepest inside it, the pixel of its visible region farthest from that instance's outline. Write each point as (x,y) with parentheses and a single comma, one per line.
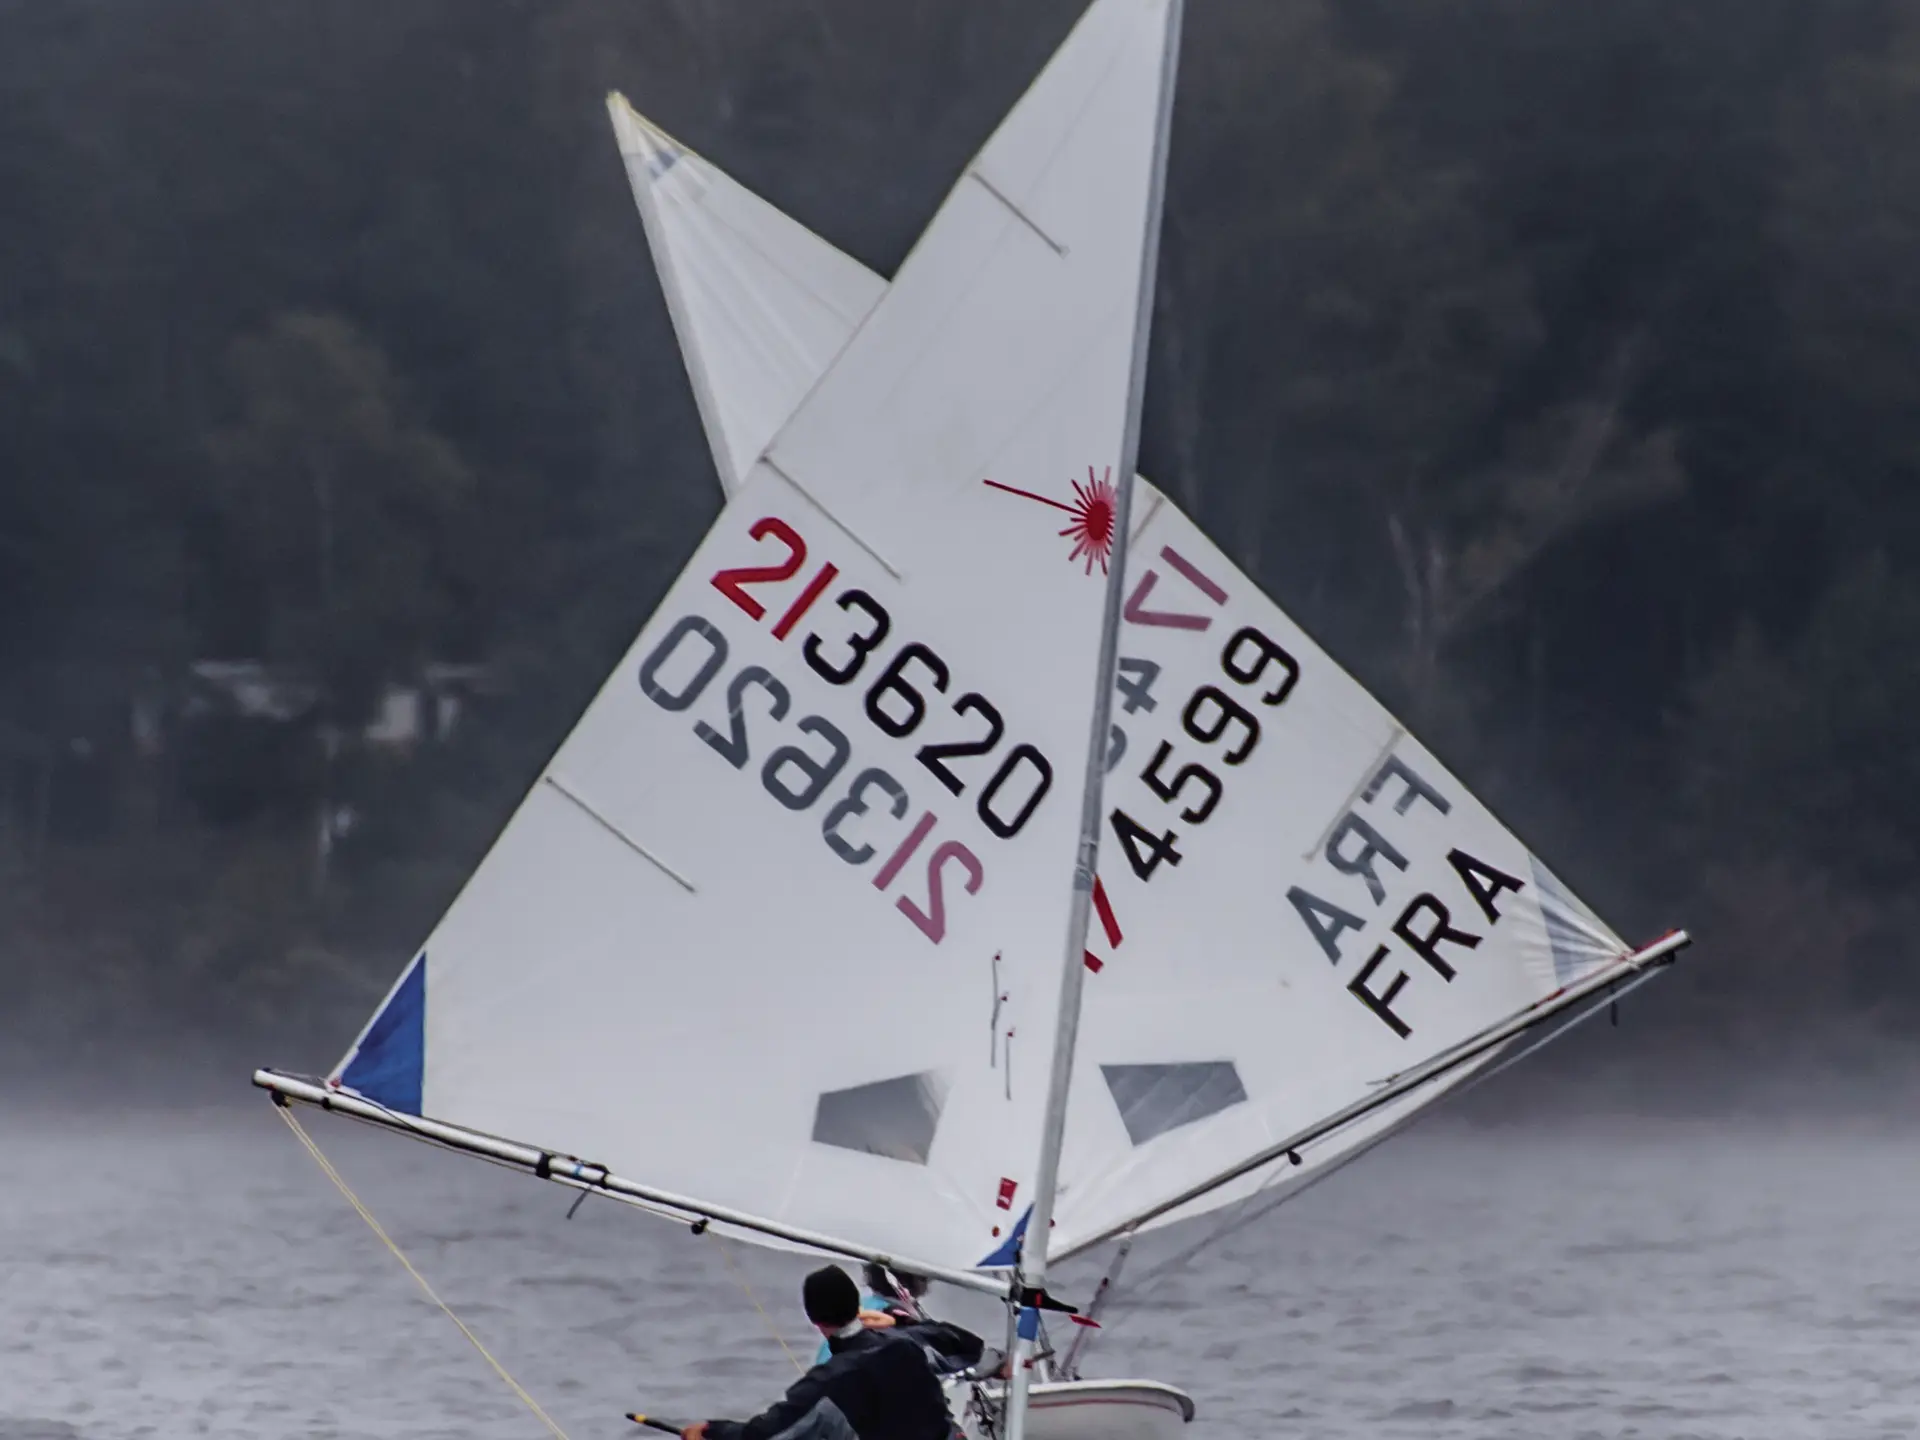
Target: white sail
(1232,1012)
(759,932)
(1345,906)
(760,304)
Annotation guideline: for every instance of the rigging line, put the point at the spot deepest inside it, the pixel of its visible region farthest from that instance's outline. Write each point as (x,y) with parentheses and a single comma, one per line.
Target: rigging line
(326,1166)
(726,1253)
(1070,1367)
(586,1188)
(1251,1210)
(1406,1082)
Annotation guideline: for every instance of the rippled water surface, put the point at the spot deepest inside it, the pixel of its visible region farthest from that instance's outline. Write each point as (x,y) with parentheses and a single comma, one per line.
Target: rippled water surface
(195,1275)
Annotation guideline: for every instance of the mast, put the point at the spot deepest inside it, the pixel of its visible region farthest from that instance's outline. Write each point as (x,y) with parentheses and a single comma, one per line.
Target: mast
(1031,1274)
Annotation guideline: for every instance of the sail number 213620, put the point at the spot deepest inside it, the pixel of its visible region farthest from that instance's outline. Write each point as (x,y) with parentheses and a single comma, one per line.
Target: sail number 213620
(868,814)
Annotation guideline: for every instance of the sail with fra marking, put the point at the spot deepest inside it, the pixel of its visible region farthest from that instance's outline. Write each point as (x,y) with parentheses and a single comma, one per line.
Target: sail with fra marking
(1343,909)
(811,848)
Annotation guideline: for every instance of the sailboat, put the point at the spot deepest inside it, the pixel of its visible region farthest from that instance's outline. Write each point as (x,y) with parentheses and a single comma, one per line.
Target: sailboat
(761,305)
(819,831)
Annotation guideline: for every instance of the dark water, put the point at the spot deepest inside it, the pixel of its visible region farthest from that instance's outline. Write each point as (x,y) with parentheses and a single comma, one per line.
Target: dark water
(195,1275)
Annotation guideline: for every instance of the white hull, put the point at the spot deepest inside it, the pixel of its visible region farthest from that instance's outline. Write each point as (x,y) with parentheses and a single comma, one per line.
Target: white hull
(1094,1410)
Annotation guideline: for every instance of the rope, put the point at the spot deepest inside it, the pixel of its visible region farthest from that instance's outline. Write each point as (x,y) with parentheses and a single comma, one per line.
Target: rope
(726,1253)
(1259,1205)
(326,1166)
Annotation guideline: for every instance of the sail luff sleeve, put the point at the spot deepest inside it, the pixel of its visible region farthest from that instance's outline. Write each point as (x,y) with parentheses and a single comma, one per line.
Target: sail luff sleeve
(1033,1261)
(1073,970)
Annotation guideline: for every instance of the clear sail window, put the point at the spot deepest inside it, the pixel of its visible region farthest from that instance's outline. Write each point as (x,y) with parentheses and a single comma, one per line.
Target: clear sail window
(1154,1099)
(895,1118)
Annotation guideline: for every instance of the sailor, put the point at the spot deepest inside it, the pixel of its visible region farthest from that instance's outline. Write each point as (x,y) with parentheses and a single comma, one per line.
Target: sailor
(884,1289)
(877,1384)
(884,1303)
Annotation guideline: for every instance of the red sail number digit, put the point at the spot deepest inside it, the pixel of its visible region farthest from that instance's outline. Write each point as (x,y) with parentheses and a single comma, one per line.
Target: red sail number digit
(733,583)
(933,920)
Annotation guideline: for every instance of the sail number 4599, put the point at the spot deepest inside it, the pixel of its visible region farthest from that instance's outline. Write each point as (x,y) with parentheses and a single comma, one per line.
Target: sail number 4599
(1213,716)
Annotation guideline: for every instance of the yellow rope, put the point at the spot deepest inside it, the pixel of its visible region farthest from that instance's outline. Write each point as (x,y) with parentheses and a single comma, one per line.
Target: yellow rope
(726,1252)
(326,1165)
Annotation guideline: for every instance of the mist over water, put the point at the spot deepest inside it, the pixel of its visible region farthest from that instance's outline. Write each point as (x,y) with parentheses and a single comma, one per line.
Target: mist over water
(193,1273)
(1553,365)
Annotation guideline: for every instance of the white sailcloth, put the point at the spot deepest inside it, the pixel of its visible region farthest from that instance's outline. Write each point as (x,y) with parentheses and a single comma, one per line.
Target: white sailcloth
(761,930)
(761,305)
(1242,1001)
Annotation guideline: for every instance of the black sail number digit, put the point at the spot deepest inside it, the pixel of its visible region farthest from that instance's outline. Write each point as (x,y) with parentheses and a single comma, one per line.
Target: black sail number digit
(668,647)
(819,773)
(858,644)
(1146,852)
(1169,791)
(1229,712)
(858,803)
(1041,782)
(1247,669)
(935,757)
(893,682)
(733,745)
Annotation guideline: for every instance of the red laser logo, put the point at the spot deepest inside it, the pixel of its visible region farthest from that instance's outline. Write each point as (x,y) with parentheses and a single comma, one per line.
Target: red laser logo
(1094,511)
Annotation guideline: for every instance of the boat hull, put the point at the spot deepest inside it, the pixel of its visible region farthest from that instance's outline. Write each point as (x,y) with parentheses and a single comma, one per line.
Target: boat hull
(1091,1410)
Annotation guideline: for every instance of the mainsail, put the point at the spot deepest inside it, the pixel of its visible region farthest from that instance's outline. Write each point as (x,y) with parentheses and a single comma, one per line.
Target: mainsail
(1304,903)
(778,927)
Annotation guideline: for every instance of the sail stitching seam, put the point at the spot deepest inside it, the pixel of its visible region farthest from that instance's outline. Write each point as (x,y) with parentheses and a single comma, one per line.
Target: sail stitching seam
(621,835)
(835,520)
(1019,214)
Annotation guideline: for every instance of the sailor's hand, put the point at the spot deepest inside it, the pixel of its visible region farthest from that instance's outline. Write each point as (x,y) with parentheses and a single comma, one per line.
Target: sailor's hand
(876,1319)
(695,1431)
(992,1365)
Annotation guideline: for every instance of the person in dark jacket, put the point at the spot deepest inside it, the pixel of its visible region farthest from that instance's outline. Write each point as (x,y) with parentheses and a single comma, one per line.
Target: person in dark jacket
(878,1384)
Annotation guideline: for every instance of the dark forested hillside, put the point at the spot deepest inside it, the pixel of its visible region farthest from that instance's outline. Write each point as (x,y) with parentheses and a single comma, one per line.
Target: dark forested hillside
(1557,364)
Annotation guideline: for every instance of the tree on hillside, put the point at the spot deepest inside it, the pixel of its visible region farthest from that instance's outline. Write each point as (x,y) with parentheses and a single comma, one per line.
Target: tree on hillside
(1809,749)
(1801,772)
(1348,344)
(1848,227)
(342,510)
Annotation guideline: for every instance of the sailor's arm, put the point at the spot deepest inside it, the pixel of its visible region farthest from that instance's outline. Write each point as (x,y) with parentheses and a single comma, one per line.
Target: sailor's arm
(805,1393)
(949,1341)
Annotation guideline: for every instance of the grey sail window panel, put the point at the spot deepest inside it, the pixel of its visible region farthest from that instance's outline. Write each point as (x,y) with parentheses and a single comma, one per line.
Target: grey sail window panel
(1154,1099)
(896,1118)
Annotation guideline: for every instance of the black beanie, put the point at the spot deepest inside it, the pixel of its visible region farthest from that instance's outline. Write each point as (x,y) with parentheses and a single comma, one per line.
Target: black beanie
(830,1297)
